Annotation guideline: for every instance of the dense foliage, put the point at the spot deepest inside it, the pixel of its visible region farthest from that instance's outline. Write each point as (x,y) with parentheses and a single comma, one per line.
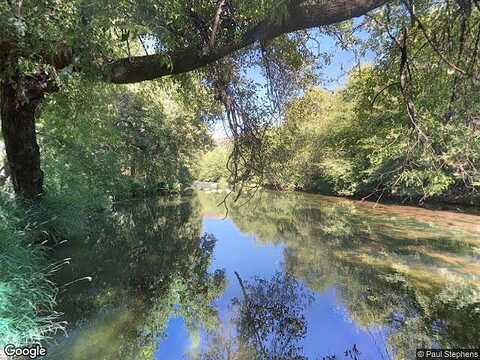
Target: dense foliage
(122,141)
(212,163)
(339,143)
(342,144)
(401,127)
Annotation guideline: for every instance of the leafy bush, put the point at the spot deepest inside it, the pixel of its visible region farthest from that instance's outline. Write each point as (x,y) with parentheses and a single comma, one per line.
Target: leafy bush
(343,144)
(120,141)
(359,143)
(212,165)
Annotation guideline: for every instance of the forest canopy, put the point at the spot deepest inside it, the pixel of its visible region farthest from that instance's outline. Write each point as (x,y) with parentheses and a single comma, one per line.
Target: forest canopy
(42,43)
(52,49)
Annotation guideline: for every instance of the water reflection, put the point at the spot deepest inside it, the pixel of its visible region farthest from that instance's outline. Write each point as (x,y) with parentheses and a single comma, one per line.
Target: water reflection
(397,268)
(268,322)
(303,277)
(148,261)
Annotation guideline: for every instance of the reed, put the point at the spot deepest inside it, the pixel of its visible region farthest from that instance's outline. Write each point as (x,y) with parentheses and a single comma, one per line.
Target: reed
(27,296)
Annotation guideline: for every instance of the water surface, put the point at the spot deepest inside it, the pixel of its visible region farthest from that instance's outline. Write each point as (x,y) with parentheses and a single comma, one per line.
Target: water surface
(287,276)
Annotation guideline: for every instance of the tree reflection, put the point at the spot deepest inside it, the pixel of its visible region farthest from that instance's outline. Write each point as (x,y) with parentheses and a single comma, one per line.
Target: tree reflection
(396,268)
(268,322)
(270,317)
(350,354)
(148,262)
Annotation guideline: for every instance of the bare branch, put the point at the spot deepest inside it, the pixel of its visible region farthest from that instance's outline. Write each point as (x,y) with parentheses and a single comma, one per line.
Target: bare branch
(216,23)
(143,44)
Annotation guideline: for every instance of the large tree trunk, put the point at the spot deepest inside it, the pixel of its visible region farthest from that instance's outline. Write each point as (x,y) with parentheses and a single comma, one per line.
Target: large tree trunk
(20,97)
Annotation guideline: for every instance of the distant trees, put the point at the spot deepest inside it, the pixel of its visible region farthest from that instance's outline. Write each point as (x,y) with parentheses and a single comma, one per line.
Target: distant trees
(212,164)
(405,126)
(360,143)
(119,141)
(41,42)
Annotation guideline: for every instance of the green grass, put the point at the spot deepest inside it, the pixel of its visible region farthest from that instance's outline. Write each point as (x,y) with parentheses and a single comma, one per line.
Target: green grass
(27,297)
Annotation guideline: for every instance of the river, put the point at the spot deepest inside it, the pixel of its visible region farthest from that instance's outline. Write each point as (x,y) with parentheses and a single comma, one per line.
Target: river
(285,276)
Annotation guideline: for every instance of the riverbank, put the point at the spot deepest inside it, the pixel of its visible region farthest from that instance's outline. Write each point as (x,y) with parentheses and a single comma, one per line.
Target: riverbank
(27,296)
(464,204)
(458,203)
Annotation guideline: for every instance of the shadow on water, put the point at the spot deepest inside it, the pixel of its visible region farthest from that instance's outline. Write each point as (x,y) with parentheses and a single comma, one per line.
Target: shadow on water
(410,276)
(148,261)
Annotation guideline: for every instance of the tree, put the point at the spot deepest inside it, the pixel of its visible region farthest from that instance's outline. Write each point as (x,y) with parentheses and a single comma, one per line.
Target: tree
(399,128)
(40,39)
(123,142)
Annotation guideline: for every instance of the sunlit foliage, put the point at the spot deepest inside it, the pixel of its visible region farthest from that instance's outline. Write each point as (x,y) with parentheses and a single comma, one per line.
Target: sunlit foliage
(121,141)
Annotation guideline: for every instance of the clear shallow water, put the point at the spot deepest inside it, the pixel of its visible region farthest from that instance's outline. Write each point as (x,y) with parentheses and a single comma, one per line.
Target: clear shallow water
(288,276)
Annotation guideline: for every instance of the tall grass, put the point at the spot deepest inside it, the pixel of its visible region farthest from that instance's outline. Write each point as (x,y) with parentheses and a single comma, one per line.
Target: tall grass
(27,297)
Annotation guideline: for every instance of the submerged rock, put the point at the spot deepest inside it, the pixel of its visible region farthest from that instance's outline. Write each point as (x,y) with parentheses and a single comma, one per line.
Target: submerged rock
(206,186)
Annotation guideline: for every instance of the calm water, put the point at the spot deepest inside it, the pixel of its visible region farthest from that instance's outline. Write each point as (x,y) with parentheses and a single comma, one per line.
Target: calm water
(287,276)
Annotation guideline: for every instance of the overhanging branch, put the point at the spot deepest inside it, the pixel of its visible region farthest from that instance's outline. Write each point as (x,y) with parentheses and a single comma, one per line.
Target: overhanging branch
(149,67)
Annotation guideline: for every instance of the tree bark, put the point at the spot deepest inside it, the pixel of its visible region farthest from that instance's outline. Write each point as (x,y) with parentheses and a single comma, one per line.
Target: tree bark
(19,100)
(141,68)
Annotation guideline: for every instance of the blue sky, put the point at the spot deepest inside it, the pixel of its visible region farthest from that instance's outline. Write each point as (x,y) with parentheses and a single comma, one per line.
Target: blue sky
(332,75)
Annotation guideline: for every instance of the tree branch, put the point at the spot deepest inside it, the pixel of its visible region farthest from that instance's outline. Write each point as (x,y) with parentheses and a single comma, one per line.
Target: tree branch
(216,22)
(150,67)
(434,47)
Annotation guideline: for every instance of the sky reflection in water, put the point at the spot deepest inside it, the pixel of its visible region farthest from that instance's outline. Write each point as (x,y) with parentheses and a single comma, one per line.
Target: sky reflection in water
(320,276)
(329,327)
